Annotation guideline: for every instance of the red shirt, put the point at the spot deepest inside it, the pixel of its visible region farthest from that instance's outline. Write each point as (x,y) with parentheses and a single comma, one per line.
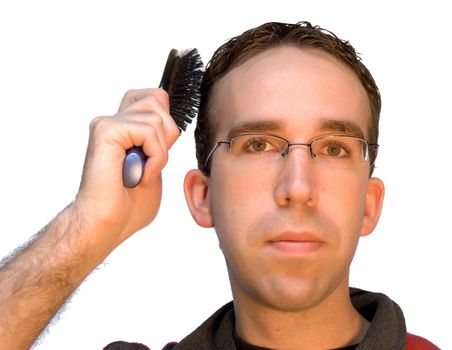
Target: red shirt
(414,342)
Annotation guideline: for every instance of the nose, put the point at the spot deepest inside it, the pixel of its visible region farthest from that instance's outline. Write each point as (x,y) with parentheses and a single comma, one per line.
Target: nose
(297,181)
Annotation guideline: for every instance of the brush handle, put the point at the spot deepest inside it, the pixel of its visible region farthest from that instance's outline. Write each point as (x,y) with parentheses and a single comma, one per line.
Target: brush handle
(133,167)
(182,72)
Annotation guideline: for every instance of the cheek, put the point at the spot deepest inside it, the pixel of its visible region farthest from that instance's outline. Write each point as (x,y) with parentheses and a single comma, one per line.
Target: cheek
(237,202)
(345,200)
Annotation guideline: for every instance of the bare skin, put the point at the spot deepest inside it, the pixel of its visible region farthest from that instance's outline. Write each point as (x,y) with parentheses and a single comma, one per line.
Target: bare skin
(277,291)
(35,284)
(292,292)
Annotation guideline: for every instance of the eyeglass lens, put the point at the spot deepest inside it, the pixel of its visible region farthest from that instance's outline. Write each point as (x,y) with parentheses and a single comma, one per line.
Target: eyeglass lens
(336,151)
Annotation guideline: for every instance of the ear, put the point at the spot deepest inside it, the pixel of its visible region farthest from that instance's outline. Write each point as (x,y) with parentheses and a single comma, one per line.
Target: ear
(196,189)
(374,204)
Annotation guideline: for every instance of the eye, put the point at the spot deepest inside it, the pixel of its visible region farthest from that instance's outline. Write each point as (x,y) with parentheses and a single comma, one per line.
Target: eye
(257,145)
(260,144)
(332,149)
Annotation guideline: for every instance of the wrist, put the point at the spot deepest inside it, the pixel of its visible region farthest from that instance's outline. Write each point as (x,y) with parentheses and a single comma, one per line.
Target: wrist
(97,239)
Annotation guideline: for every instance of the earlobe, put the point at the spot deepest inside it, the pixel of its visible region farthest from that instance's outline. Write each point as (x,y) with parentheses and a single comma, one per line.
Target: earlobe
(373,206)
(196,186)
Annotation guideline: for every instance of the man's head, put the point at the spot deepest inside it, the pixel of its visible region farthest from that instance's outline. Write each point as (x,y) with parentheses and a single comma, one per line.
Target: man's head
(289,228)
(270,35)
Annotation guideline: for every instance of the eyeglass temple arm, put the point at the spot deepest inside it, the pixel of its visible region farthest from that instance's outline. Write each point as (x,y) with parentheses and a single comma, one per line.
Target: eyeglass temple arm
(218,144)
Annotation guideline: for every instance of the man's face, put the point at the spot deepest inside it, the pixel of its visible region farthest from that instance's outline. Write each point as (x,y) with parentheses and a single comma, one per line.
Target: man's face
(288,232)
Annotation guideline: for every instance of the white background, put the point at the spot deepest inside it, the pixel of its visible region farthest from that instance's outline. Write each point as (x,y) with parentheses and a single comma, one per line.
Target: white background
(63,63)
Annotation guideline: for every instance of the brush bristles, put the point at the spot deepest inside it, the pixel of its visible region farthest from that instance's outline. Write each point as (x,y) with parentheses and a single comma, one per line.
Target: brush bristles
(183,85)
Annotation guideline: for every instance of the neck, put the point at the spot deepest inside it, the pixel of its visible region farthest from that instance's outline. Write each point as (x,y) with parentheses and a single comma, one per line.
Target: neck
(331,324)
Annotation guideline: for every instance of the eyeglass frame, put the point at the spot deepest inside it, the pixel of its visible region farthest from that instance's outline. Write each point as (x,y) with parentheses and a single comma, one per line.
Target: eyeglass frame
(286,151)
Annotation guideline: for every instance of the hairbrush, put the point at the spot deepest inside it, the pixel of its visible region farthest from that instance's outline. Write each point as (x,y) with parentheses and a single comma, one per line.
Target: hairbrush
(181,79)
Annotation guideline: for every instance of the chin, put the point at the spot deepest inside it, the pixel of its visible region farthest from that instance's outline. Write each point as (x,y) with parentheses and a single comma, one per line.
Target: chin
(295,295)
(295,301)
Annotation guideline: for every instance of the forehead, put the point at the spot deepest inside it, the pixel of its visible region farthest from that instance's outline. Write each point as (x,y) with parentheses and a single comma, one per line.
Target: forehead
(296,88)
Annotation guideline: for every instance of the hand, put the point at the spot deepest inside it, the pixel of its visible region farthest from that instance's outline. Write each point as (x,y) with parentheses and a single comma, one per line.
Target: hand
(103,204)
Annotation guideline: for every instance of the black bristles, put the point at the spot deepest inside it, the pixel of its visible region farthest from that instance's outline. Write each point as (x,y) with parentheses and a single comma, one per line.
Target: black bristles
(182,79)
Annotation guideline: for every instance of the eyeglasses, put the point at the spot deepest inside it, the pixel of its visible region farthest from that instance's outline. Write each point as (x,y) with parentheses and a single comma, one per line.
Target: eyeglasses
(333,151)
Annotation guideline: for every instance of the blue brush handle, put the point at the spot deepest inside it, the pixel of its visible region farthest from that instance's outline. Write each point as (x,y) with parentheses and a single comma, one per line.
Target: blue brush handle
(133,167)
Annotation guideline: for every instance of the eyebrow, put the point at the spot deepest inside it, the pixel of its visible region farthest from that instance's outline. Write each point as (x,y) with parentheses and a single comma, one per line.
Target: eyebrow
(257,126)
(341,126)
(344,126)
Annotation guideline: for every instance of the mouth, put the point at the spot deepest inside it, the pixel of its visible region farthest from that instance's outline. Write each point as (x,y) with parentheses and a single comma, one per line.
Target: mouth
(296,243)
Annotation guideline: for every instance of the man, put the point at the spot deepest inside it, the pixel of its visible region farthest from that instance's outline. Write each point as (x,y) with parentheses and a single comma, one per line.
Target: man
(286,143)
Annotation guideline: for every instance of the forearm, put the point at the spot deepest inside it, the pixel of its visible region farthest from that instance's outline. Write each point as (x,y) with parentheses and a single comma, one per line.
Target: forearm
(36,283)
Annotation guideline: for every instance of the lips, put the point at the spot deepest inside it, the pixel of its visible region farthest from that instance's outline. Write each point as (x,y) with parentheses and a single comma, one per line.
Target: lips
(296,243)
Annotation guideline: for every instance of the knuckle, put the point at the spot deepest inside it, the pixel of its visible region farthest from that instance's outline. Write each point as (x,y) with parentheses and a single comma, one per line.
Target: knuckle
(149,103)
(174,131)
(152,98)
(157,121)
(130,93)
(164,159)
(99,122)
(101,126)
(163,97)
(151,120)
(150,130)
(95,122)
(162,93)
(161,161)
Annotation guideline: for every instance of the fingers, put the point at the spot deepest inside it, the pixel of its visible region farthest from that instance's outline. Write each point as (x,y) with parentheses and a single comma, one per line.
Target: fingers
(143,120)
(124,133)
(141,130)
(153,102)
(132,96)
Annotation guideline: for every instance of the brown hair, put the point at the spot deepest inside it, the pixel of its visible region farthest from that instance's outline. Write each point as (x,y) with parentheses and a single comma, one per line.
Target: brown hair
(269,35)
